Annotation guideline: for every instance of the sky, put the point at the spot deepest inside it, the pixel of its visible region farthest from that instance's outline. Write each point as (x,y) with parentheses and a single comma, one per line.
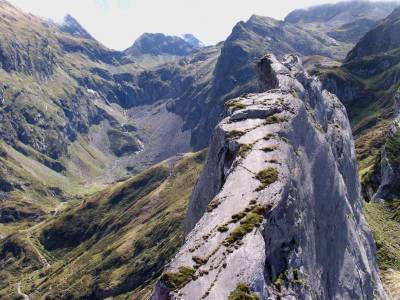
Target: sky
(117,23)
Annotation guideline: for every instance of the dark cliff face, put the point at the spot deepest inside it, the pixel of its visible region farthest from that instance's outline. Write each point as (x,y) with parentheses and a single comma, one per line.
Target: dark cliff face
(151,50)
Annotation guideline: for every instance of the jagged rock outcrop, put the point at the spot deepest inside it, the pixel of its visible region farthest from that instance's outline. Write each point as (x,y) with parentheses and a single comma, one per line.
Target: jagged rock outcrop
(388,178)
(277,212)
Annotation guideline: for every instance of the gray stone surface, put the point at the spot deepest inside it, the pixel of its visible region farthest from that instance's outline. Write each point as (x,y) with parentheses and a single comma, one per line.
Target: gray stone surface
(389,172)
(314,242)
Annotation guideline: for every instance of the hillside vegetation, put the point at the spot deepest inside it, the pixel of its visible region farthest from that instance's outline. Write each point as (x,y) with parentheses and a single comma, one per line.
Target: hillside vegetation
(108,245)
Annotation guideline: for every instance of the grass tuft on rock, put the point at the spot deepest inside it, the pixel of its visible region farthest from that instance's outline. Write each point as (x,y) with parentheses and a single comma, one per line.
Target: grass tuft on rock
(179,279)
(234,134)
(249,221)
(267,177)
(242,292)
(199,260)
(274,119)
(244,150)
(237,217)
(268,149)
(223,228)
(213,204)
(235,105)
(279,280)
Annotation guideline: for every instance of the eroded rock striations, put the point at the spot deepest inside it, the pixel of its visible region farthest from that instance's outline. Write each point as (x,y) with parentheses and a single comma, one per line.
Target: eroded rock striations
(277,212)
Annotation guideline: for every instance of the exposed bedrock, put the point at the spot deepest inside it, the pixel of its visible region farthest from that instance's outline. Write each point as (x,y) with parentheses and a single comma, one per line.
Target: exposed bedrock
(277,212)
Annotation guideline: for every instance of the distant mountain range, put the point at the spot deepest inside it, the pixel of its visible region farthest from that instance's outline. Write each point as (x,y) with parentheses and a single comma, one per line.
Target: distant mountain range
(343,21)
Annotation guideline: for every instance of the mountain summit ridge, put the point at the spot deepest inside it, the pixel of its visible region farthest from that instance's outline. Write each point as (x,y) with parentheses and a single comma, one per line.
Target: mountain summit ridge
(264,221)
(73,27)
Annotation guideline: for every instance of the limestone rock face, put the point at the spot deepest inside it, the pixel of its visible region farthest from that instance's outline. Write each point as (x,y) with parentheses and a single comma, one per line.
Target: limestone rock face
(389,177)
(277,209)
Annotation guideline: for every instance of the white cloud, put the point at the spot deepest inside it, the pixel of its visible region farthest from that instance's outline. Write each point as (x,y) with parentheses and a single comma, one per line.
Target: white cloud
(117,23)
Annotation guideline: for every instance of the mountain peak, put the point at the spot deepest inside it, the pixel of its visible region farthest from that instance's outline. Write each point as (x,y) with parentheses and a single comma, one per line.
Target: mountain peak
(160,44)
(192,40)
(73,27)
(346,21)
(342,12)
(381,39)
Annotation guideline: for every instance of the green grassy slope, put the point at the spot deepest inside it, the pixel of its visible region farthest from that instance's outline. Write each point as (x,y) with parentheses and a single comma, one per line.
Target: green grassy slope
(113,244)
(384,221)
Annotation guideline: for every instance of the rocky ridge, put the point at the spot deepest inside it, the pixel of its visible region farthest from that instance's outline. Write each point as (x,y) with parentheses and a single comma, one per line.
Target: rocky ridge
(277,213)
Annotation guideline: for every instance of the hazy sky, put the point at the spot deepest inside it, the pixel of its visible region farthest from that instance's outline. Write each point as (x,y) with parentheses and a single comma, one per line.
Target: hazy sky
(117,23)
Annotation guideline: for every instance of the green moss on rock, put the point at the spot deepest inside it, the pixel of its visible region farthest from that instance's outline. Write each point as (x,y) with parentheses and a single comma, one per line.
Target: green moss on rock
(242,292)
(199,260)
(213,204)
(275,119)
(179,279)
(267,177)
(244,150)
(223,228)
(234,134)
(249,221)
(268,149)
(235,105)
(279,280)
(237,217)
